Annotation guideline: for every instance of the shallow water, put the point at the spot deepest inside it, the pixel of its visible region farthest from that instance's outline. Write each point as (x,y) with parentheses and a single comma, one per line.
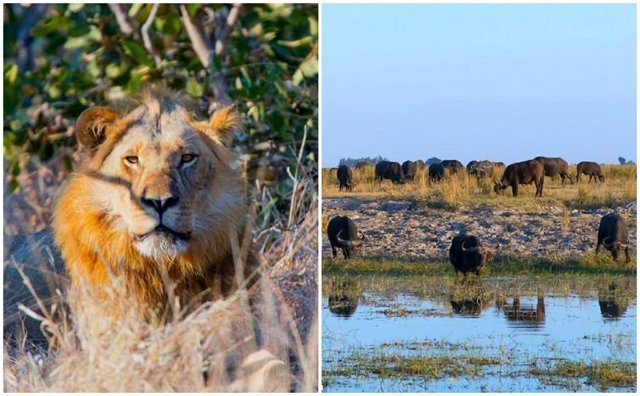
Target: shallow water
(580,323)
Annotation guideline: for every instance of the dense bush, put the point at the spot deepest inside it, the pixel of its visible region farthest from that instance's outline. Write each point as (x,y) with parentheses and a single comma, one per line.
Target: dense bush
(61,59)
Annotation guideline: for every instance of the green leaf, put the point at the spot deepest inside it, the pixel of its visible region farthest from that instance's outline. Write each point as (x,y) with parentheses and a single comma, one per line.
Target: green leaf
(75,7)
(13,185)
(135,8)
(194,88)
(51,25)
(137,52)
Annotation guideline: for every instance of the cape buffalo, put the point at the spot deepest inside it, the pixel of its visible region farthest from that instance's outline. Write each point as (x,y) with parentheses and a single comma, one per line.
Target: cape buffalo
(453,166)
(343,234)
(525,172)
(470,165)
(499,164)
(467,254)
(480,169)
(420,166)
(345,177)
(362,165)
(614,235)
(555,166)
(389,170)
(590,169)
(409,170)
(436,172)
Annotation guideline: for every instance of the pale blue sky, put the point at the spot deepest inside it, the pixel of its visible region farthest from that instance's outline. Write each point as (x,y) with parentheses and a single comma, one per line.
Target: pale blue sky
(476,81)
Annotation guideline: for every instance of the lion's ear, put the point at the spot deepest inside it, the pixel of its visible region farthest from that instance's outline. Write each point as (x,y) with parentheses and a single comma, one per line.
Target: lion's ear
(92,124)
(224,123)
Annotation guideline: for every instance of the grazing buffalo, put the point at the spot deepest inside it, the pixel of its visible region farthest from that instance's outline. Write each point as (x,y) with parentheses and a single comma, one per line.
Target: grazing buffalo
(420,166)
(471,165)
(525,172)
(480,169)
(614,235)
(467,254)
(345,177)
(590,169)
(499,164)
(453,166)
(409,170)
(362,165)
(343,234)
(333,171)
(389,170)
(436,172)
(555,166)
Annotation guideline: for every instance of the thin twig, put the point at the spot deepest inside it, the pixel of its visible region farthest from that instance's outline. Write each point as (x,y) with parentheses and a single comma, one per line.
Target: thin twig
(222,41)
(123,20)
(145,34)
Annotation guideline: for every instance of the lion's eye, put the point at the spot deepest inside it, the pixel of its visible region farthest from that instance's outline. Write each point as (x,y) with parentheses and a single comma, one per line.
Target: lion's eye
(187,158)
(131,159)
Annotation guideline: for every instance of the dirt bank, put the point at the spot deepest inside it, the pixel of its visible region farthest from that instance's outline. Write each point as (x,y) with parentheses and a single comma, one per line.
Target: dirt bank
(414,229)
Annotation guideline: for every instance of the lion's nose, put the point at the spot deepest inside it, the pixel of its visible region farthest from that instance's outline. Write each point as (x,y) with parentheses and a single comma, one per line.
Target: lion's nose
(160,205)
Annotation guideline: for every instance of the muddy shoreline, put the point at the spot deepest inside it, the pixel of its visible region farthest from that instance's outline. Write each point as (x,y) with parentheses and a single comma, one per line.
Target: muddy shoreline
(410,229)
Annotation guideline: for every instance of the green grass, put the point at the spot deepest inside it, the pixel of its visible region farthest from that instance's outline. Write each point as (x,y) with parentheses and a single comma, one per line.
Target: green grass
(588,264)
(602,375)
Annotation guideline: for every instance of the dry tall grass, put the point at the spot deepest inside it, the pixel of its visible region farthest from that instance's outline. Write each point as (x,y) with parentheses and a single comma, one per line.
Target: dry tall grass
(460,189)
(220,346)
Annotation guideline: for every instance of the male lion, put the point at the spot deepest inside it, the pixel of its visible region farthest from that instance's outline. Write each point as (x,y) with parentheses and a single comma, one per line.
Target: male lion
(156,198)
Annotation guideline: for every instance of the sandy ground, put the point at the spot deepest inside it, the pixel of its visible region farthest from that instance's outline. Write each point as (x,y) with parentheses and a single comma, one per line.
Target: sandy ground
(413,229)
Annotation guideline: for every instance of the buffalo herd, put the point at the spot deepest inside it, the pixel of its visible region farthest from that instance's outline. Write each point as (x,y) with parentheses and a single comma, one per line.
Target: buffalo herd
(525,172)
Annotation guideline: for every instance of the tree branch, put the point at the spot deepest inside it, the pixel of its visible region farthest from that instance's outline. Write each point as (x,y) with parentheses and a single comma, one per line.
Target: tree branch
(123,20)
(222,41)
(199,43)
(204,49)
(145,33)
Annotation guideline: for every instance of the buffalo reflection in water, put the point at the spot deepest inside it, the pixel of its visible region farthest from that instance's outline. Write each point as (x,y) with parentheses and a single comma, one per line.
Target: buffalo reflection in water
(343,299)
(527,315)
(612,305)
(468,299)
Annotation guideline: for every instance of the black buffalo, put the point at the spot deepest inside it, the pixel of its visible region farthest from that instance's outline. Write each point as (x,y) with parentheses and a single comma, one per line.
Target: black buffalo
(470,165)
(525,172)
(343,234)
(362,165)
(436,172)
(409,170)
(614,235)
(345,177)
(453,166)
(590,169)
(480,169)
(499,164)
(389,170)
(420,166)
(555,166)
(467,254)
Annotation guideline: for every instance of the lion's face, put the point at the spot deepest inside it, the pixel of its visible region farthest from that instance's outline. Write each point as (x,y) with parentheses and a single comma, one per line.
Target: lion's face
(158,175)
